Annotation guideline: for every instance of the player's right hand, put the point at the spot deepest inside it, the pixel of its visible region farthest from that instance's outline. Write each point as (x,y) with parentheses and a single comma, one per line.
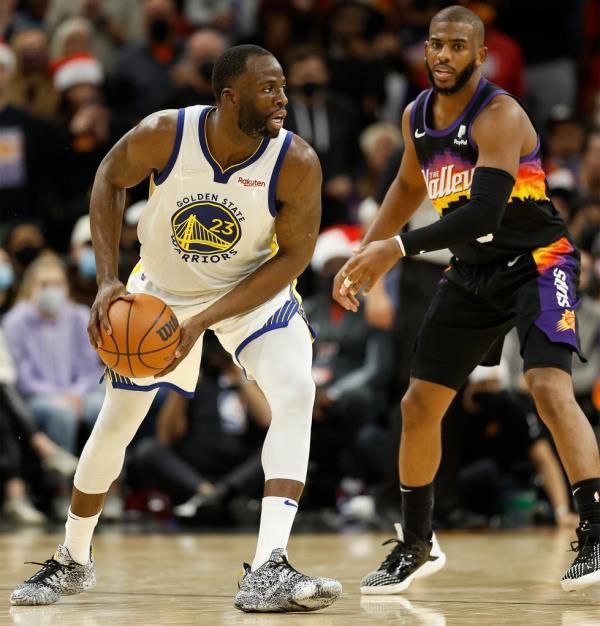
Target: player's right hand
(108,292)
(345,298)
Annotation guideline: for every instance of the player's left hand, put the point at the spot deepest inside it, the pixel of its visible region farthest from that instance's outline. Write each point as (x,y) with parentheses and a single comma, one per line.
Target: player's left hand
(363,270)
(190,330)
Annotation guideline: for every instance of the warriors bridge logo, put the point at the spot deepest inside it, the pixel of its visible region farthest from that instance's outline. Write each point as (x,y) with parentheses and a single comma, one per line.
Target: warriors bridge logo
(205,230)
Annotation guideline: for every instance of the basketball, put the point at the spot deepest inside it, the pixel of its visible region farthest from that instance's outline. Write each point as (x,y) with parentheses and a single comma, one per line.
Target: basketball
(145,335)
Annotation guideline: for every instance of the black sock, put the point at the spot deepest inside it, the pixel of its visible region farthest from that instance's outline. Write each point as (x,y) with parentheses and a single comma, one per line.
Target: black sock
(417,509)
(587,499)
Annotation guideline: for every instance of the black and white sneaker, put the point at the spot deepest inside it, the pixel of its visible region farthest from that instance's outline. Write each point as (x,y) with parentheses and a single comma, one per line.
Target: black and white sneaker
(411,558)
(585,569)
(59,576)
(276,587)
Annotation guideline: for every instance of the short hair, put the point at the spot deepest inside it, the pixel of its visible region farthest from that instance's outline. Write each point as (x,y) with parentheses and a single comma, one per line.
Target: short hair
(461,15)
(302,53)
(231,64)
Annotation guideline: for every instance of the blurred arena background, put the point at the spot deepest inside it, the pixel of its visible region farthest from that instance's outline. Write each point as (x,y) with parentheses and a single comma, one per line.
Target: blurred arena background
(77,74)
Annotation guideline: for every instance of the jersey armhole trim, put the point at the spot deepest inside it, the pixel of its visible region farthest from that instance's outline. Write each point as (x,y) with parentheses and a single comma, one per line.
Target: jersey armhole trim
(486,101)
(158,180)
(275,174)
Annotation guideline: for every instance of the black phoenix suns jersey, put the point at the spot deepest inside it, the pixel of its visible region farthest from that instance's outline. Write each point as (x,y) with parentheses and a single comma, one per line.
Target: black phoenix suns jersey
(448,157)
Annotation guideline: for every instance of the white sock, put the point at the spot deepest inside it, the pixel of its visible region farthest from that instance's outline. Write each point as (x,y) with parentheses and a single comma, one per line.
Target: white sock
(78,538)
(276,519)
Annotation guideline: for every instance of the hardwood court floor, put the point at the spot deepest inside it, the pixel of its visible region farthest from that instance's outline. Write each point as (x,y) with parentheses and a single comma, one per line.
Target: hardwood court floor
(158,580)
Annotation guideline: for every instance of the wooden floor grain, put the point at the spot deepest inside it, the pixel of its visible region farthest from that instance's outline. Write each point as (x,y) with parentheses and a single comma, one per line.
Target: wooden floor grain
(158,580)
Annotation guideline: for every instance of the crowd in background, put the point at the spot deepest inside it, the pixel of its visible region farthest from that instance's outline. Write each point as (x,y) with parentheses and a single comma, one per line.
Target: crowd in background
(75,75)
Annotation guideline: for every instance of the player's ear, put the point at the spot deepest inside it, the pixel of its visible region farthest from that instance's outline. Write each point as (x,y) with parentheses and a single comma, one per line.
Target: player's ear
(229,96)
(482,54)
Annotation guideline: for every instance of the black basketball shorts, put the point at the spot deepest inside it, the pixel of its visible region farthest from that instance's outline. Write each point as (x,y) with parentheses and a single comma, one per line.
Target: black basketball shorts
(476,305)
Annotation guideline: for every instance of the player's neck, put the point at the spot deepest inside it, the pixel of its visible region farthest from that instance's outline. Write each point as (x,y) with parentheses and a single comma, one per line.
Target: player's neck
(447,107)
(227,143)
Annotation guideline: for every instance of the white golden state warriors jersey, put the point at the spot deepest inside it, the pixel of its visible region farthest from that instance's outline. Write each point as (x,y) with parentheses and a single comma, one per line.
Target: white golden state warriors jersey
(205,229)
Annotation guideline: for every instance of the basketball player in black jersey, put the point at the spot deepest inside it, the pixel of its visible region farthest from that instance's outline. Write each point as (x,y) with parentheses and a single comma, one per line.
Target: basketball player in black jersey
(473,149)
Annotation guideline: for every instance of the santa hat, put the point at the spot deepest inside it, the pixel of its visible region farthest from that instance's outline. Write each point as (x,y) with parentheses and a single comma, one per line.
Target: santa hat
(336,242)
(7,58)
(77,69)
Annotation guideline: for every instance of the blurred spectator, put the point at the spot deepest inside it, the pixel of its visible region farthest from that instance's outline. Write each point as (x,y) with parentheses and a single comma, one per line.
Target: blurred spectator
(565,136)
(31,87)
(207,449)
(86,122)
(499,439)
(551,74)
(192,76)
(32,12)
(216,14)
(586,224)
(73,36)
(114,24)
(351,364)
(418,279)
(388,49)
(329,123)
(7,281)
(142,81)
(594,110)
(355,73)
(82,268)
(24,241)
(589,171)
(28,155)
(377,142)
(129,245)
(283,24)
(10,20)
(504,65)
(589,55)
(18,436)
(57,369)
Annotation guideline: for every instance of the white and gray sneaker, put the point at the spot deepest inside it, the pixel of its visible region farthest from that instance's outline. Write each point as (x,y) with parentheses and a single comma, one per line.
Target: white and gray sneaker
(410,558)
(276,587)
(59,576)
(585,569)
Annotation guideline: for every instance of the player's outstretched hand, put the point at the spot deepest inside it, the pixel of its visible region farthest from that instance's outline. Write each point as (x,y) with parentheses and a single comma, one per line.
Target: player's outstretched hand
(363,270)
(108,292)
(190,330)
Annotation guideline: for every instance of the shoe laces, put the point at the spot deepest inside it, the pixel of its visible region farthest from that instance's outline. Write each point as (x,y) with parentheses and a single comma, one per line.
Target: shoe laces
(584,544)
(290,571)
(402,555)
(49,569)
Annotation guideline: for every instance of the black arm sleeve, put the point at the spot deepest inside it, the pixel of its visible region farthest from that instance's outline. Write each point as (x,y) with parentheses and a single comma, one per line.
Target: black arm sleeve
(490,191)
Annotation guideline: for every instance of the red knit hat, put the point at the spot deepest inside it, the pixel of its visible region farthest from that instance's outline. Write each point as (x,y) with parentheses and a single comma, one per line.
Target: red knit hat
(76,69)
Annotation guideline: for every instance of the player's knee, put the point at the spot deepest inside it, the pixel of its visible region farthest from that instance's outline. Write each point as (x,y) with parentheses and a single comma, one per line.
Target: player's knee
(293,396)
(552,392)
(417,412)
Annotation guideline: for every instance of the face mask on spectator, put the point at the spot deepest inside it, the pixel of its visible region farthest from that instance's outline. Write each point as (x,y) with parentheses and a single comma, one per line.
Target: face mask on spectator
(33,61)
(159,30)
(87,263)
(7,276)
(50,300)
(309,89)
(27,254)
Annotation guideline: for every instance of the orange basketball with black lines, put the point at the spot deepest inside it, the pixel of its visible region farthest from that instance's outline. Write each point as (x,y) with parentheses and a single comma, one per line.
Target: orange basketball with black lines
(145,335)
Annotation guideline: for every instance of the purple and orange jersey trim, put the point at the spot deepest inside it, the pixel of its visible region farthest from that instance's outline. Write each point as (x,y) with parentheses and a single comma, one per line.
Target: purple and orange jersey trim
(448,180)
(553,255)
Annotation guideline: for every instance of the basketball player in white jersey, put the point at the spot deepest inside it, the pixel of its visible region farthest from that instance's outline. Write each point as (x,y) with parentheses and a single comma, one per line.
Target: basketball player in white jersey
(231,222)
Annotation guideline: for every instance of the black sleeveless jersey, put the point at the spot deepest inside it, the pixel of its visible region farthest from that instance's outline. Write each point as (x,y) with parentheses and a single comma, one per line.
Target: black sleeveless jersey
(448,157)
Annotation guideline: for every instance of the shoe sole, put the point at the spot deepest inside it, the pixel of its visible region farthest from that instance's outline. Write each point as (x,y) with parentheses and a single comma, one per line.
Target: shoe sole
(295,607)
(303,605)
(431,567)
(574,584)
